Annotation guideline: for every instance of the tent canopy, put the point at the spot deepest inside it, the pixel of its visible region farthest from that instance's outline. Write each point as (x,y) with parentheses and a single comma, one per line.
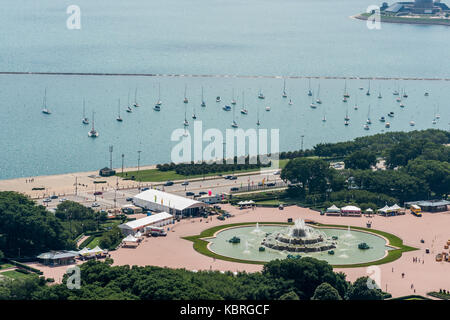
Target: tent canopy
(96,250)
(333,208)
(384,209)
(130,238)
(369,210)
(351,209)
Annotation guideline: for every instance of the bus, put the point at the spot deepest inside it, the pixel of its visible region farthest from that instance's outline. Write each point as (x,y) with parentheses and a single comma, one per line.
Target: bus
(416,210)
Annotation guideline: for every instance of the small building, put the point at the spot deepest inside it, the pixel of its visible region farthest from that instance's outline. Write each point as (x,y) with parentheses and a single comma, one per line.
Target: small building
(57,258)
(433,205)
(333,211)
(131,209)
(160,201)
(212,199)
(351,211)
(107,172)
(138,225)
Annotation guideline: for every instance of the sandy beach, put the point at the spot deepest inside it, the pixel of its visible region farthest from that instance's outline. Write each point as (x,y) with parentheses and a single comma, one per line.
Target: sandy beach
(428,275)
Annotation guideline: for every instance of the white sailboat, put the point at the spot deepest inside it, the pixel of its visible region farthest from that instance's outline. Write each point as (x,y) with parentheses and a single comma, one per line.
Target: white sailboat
(346,95)
(128,109)
(93,133)
(234,123)
(312,105)
(135,104)
(379,92)
(45,109)
(290,102)
(233,101)
(368,121)
(159,102)
(261,95)
(356,102)
(185,123)
(368,90)
(243,109)
(284,95)
(347,118)
(119,118)
(318,101)
(185,97)
(84,120)
(194,116)
(203,104)
(309,87)
(257,116)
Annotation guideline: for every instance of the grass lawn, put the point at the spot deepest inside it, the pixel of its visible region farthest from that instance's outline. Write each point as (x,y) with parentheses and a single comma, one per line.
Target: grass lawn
(200,245)
(154,175)
(14,274)
(6,266)
(94,243)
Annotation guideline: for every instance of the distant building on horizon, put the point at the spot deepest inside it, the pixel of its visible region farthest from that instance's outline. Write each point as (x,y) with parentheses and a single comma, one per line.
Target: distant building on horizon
(415,7)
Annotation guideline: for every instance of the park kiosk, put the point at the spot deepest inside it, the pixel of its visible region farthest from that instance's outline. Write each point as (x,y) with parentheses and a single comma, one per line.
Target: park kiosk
(351,211)
(333,211)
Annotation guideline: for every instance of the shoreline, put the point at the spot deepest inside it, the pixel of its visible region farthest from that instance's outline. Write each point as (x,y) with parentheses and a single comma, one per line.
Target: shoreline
(401,20)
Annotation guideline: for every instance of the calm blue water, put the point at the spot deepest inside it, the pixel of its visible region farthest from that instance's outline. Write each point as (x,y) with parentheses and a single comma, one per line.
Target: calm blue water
(255,37)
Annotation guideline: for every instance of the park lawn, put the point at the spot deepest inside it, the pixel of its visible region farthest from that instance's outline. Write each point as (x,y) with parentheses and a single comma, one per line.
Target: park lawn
(6,266)
(15,275)
(154,175)
(95,242)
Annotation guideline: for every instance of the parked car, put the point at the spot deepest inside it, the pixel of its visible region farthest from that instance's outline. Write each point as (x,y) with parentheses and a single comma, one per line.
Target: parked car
(202,193)
(234,189)
(168,183)
(221,218)
(186,183)
(233,178)
(129,199)
(189,194)
(227,177)
(278,172)
(54,196)
(98,193)
(95,205)
(62,199)
(145,189)
(47,200)
(217,207)
(271,184)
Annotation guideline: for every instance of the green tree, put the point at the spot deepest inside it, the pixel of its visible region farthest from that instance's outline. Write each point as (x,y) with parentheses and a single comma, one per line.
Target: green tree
(326,292)
(360,290)
(309,173)
(435,173)
(361,159)
(291,295)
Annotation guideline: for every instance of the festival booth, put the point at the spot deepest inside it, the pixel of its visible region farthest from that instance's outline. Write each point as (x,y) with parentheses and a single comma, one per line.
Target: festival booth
(383,211)
(369,212)
(351,211)
(130,241)
(246,204)
(333,211)
(396,210)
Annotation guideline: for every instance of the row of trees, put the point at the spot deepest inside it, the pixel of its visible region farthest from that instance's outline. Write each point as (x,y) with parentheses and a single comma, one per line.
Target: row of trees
(290,279)
(27,229)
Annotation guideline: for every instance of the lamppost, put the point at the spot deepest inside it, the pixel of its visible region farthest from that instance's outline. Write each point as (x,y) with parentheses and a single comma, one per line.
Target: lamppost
(123,156)
(139,162)
(110,156)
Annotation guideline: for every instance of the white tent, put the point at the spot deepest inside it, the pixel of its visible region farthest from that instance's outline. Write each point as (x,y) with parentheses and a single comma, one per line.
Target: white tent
(96,250)
(138,234)
(84,251)
(384,209)
(130,238)
(333,208)
(369,210)
(395,207)
(350,209)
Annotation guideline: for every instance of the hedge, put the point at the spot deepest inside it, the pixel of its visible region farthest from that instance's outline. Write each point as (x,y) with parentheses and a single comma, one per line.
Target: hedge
(87,241)
(26,267)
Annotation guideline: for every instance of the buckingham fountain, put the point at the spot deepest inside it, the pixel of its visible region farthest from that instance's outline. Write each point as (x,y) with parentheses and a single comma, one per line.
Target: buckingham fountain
(298,238)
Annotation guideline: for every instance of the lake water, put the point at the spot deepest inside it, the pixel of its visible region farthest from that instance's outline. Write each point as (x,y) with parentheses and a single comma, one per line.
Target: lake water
(202,37)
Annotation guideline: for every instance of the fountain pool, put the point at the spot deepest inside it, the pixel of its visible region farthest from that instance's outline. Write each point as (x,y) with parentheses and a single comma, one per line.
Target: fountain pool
(304,240)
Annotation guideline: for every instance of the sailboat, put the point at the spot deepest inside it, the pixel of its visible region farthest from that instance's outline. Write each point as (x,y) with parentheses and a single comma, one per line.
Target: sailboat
(356,102)
(290,102)
(318,101)
(368,90)
(45,109)
(194,116)
(347,118)
(312,105)
(234,123)
(226,108)
(368,121)
(203,104)
(185,98)
(268,108)
(346,95)
(366,127)
(379,93)
(284,95)
(119,118)
(412,123)
(309,87)
(243,110)
(135,104)
(233,101)
(128,109)
(185,123)
(159,102)
(218,99)
(257,116)
(84,120)
(438,116)
(93,133)
(324,118)
(261,95)
(405,95)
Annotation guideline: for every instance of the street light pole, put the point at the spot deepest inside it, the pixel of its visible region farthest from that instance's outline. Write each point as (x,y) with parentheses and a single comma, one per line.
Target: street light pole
(123,156)
(139,163)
